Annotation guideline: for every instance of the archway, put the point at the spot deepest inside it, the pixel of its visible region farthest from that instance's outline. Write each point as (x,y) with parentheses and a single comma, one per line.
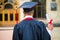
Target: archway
(8,6)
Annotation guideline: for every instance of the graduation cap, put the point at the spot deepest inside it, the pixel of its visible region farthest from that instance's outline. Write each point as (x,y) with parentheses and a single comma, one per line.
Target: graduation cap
(28,6)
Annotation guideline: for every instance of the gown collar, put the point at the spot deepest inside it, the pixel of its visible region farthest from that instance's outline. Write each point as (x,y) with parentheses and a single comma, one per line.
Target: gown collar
(28,18)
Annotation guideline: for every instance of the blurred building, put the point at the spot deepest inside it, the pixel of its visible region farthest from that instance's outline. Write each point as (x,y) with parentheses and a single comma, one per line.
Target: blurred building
(8,12)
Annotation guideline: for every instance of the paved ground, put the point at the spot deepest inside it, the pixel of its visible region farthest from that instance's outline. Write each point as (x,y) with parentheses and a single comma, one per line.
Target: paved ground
(56,33)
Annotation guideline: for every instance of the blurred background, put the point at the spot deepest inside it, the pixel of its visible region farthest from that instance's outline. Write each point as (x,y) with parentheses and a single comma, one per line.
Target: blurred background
(11,14)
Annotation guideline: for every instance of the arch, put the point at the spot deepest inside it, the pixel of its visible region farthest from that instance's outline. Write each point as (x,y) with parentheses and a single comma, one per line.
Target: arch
(8,6)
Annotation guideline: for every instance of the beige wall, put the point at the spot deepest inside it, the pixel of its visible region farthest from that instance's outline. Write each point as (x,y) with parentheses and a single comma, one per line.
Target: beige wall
(53,14)
(6,33)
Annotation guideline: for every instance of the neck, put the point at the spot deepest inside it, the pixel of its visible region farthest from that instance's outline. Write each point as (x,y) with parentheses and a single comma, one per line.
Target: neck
(28,16)
(29,13)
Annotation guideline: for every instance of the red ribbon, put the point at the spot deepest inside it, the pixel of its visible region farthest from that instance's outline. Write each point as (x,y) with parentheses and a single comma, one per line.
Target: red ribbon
(50,22)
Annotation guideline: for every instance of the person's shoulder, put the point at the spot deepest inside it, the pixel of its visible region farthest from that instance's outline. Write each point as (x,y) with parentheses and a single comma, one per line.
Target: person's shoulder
(21,23)
(40,22)
(18,24)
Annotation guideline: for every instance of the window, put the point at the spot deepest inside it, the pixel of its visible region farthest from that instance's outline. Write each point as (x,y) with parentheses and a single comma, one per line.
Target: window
(8,6)
(53,6)
(6,17)
(11,17)
(0,6)
(5,1)
(16,17)
(0,17)
(40,9)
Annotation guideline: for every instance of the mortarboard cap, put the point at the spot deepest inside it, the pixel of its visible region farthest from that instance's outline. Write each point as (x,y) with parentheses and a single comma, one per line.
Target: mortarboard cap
(28,6)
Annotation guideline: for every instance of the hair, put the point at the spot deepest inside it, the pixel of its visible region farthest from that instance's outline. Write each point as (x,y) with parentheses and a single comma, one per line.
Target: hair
(28,9)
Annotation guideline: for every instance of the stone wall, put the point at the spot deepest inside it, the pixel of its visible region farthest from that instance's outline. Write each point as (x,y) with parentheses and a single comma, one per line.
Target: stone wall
(53,14)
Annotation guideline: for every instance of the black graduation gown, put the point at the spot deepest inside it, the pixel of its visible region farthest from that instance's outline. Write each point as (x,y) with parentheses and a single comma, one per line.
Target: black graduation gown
(30,30)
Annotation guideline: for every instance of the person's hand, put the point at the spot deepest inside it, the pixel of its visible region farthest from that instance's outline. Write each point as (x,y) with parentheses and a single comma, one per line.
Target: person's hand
(50,27)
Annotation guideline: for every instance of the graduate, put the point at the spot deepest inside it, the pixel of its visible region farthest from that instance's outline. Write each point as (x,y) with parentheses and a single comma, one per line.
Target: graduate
(30,28)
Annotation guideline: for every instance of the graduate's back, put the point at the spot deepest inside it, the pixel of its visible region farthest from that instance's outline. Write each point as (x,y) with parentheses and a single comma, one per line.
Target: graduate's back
(30,30)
